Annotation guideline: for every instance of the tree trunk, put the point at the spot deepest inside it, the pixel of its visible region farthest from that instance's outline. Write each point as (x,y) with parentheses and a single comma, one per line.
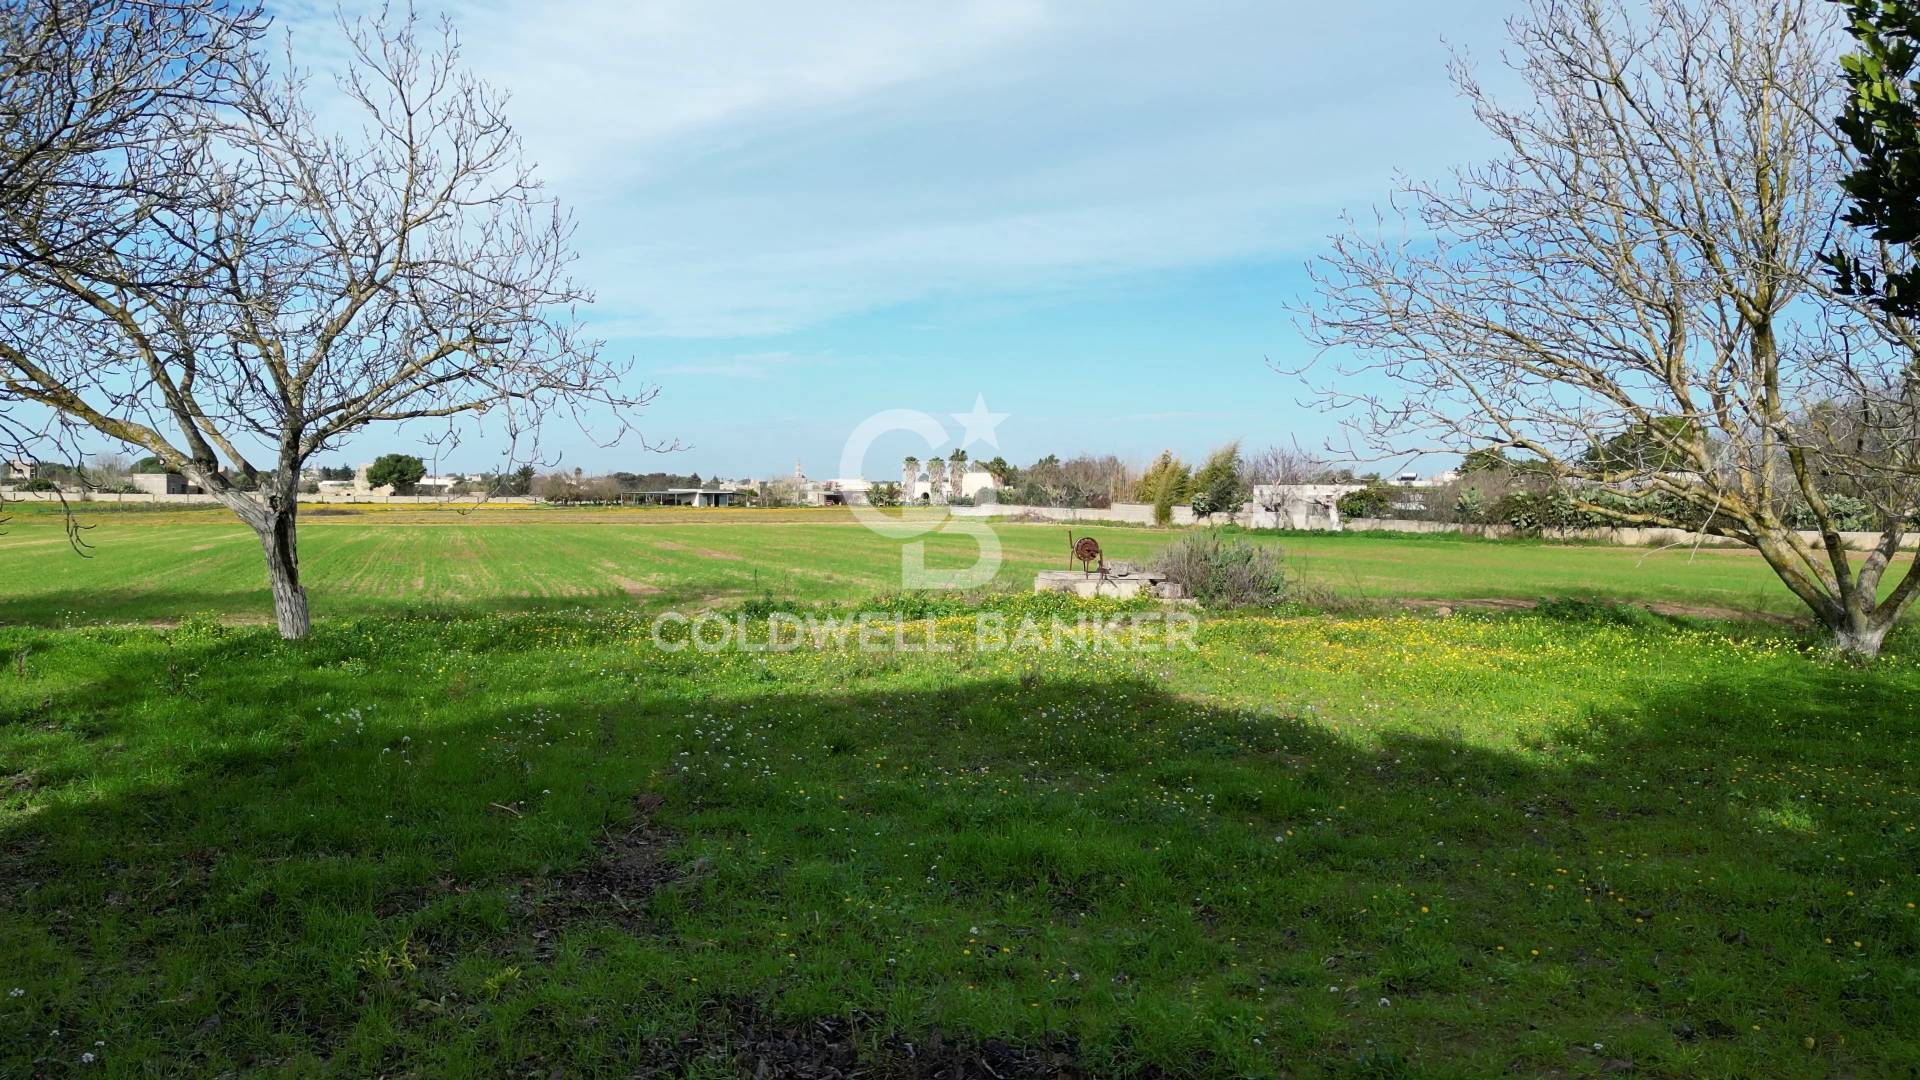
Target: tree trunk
(276,532)
(1859,638)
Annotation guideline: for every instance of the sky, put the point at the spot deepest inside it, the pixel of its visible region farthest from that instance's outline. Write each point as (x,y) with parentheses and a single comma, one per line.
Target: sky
(1094,216)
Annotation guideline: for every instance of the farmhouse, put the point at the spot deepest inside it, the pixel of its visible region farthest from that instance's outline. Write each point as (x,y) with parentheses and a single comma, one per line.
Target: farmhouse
(1299,506)
(162,483)
(970,483)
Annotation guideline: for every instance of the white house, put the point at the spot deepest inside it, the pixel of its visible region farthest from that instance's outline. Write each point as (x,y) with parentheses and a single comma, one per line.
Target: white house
(1299,506)
(972,482)
(682,497)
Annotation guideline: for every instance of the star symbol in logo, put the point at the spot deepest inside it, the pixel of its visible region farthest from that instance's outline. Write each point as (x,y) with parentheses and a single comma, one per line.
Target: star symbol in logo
(979,424)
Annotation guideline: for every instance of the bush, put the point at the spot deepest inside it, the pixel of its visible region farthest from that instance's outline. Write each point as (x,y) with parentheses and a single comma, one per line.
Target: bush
(1534,512)
(1849,513)
(1225,573)
(1372,501)
(1470,507)
(1218,487)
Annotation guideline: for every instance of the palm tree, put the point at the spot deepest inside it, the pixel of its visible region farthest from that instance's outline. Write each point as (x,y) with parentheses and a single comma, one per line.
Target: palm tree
(936,480)
(957,471)
(909,477)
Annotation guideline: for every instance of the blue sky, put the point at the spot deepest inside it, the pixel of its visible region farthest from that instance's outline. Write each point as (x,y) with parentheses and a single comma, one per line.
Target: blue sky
(1093,214)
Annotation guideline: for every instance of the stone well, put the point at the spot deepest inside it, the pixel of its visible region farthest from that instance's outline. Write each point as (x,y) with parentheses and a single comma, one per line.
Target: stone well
(1120,581)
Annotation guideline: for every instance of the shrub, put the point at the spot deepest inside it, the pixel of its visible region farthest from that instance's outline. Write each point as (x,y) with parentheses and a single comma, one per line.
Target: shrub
(1372,501)
(1165,483)
(1225,573)
(1534,512)
(1218,487)
(1163,506)
(1849,513)
(1471,507)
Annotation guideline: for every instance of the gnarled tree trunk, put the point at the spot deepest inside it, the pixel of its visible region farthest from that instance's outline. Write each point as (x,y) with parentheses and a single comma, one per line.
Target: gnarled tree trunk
(283,573)
(273,516)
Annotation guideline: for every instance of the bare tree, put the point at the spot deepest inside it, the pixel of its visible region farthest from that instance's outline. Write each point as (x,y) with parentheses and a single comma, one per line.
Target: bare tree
(1638,268)
(1290,465)
(1093,481)
(79,81)
(283,285)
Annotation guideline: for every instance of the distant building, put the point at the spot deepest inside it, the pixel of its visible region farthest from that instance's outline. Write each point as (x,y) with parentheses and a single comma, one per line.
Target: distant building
(1299,506)
(848,491)
(683,497)
(162,483)
(971,484)
(20,468)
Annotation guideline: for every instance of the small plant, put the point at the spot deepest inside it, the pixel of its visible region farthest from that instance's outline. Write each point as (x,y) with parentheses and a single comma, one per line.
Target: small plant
(1226,573)
(388,961)
(500,980)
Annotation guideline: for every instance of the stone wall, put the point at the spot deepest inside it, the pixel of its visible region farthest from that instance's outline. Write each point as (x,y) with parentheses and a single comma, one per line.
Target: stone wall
(1118,513)
(1142,514)
(1625,537)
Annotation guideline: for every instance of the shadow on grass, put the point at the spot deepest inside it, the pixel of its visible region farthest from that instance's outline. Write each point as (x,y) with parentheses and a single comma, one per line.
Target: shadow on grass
(165,606)
(222,852)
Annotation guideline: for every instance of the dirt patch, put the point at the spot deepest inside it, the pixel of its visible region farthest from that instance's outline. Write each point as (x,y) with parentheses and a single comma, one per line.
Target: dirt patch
(631,863)
(705,553)
(633,588)
(754,1044)
(1683,611)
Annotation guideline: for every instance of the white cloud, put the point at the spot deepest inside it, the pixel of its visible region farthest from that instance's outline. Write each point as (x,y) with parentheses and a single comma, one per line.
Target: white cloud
(745,168)
(748,366)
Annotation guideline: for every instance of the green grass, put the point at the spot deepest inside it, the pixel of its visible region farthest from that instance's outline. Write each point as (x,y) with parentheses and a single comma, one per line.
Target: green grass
(1580,841)
(163,566)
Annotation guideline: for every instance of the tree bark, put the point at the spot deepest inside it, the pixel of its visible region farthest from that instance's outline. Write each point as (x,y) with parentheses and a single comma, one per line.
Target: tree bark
(273,519)
(1860,640)
(275,528)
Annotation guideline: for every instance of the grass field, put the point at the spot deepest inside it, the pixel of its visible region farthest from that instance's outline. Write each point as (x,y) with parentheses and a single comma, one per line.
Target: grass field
(161,566)
(481,840)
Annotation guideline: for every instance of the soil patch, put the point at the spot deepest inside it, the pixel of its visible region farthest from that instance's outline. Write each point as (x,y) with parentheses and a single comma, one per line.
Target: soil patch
(758,1046)
(616,885)
(1685,611)
(705,553)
